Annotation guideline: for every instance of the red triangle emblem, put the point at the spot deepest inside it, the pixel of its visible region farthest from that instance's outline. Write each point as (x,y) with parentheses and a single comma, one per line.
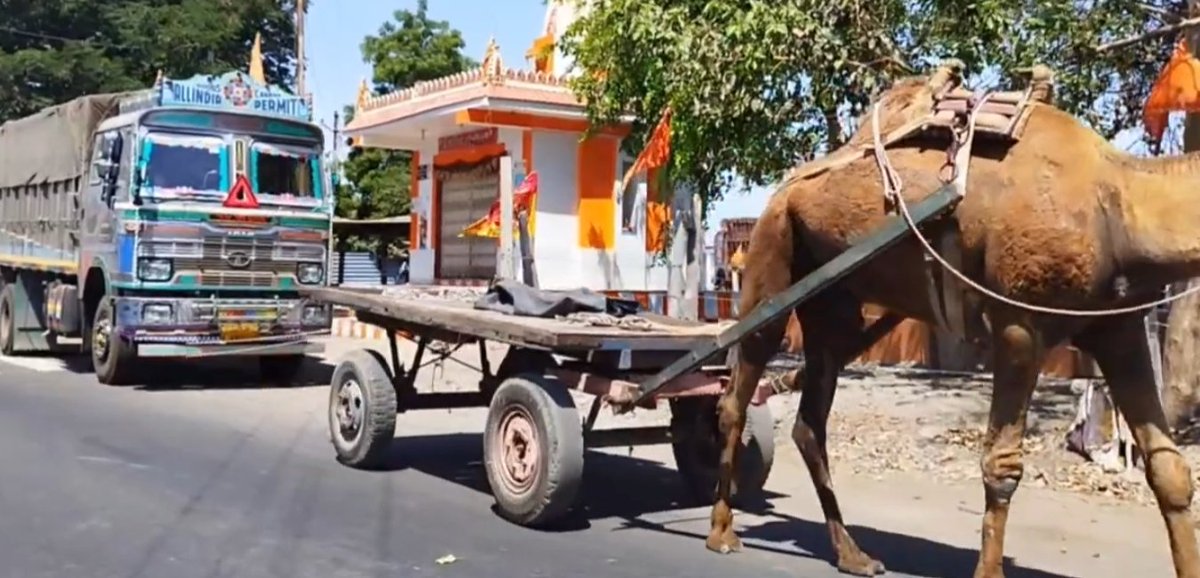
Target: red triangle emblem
(240,195)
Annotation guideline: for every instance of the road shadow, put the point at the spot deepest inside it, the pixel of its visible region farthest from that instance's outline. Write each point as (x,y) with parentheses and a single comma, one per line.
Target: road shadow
(231,373)
(614,486)
(898,552)
(628,488)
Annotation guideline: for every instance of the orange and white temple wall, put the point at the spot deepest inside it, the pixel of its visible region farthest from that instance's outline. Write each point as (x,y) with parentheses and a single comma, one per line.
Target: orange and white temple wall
(585,232)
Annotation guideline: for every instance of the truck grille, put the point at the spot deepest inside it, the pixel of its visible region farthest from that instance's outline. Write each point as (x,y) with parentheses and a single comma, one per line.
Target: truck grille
(230,261)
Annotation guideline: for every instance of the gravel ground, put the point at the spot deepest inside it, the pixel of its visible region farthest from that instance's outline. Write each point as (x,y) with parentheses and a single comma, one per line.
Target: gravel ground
(906,420)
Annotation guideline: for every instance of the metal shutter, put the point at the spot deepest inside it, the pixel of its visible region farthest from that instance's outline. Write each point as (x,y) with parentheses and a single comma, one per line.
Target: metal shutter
(466,196)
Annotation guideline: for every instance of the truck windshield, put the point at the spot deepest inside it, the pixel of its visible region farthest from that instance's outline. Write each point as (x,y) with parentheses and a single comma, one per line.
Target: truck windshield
(183,163)
(285,170)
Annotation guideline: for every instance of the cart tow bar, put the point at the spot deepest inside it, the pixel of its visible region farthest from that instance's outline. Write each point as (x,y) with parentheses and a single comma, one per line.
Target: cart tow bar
(942,201)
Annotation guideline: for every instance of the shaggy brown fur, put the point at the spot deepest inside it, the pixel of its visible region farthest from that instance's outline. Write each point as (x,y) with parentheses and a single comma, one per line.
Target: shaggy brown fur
(1059,219)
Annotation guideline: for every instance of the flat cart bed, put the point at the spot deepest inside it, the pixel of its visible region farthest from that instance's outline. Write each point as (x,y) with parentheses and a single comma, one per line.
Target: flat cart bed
(460,318)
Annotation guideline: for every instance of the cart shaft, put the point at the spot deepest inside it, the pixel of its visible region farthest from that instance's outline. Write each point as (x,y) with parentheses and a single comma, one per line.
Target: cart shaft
(942,201)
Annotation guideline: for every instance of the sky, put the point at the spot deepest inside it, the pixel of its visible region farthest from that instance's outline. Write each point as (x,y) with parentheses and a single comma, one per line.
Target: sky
(336,67)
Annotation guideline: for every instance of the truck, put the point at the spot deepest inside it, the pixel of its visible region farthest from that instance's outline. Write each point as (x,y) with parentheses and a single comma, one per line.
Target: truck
(177,221)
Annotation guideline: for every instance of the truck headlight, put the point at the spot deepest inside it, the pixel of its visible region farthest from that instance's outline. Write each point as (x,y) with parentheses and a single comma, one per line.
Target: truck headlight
(154,269)
(313,315)
(309,273)
(157,313)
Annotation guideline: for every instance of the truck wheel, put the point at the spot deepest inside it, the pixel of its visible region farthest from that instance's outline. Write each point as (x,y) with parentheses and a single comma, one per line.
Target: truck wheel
(362,410)
(533,450)
(8,321)
(112,357)
(281,370)
(696,443)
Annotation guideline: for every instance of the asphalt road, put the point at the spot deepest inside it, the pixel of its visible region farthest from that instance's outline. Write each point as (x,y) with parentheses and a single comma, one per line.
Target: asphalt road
(229,480)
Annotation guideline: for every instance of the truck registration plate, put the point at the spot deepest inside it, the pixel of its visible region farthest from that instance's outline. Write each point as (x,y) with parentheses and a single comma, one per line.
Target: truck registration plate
(231,332)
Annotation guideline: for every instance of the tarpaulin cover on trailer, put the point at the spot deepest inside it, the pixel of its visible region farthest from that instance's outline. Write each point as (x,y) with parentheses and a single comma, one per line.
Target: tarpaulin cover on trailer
(52,144)
(515,298)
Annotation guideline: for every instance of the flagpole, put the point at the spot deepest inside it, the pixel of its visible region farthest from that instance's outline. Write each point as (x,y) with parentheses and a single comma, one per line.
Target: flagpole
(300,64)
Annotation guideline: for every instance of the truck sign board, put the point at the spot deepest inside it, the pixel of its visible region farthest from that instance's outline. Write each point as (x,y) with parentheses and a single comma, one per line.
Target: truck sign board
(232,91)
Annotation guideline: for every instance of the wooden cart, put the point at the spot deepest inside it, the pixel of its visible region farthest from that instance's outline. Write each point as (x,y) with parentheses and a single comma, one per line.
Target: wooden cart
(535,436)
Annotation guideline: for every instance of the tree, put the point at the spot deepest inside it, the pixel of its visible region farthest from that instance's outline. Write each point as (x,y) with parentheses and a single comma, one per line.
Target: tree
(1181,366)
(55,50)
(411,49)
(758,86)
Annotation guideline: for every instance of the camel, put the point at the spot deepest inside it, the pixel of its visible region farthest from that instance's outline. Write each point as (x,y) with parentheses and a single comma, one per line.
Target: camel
(1057,218)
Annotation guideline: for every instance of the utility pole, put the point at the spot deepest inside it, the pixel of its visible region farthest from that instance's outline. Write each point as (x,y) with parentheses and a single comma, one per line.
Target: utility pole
(300,63)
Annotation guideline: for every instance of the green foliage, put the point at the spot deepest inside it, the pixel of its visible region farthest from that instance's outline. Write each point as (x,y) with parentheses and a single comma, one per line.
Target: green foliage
(411,49)
(55,50)
(758,86)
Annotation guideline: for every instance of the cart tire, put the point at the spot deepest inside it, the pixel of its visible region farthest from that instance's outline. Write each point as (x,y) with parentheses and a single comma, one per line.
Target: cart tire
(8,320)
(362,410)
(281,370)
(696,444)
(112,357)
(533,450)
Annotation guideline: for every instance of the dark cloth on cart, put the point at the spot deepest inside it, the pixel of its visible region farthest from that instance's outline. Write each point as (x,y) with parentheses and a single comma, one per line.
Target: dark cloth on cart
(515,298)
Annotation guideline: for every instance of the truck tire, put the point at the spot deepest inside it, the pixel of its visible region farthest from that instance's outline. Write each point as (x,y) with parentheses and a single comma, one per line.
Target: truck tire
(362,410)
(281,370)
(533,450)
(8,321)
(696,443)
(112,357)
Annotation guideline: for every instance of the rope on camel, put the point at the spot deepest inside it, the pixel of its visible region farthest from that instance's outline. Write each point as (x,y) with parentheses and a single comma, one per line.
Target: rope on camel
(892,188)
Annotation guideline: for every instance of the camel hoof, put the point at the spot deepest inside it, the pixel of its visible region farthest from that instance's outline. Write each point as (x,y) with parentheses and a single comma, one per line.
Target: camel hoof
(861,565)
(725,543)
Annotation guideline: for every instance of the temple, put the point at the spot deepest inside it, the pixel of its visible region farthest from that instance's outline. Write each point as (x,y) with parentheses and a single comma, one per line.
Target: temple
(585,231)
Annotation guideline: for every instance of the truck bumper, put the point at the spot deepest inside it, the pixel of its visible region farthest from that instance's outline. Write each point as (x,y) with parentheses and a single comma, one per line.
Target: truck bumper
(185,327)
(257,350)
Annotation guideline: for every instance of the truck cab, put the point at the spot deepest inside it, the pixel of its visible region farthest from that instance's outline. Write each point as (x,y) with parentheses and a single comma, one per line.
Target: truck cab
(206,207)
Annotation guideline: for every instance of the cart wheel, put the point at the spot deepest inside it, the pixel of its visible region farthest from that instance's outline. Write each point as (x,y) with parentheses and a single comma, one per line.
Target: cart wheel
(7,320)
(696,443)
(533,450)
(362,409)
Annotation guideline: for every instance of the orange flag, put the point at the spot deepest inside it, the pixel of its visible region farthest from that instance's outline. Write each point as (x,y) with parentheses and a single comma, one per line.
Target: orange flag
(523,198)
(656,152)
(1177,88)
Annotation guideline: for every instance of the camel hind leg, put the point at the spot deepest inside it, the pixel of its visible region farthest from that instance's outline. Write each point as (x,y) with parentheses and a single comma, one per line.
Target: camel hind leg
(832,325)
(1120,349)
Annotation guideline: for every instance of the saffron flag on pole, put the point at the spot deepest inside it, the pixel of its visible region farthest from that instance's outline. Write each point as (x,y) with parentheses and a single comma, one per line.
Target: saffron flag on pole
(1176,89)
(656,152)
(523,200)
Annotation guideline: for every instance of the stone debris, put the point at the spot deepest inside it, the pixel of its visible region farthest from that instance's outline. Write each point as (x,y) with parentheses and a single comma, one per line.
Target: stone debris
(442,293)
(629,322)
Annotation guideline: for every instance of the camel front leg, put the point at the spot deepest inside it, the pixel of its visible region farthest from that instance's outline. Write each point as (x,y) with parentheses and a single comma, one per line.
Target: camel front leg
(1018,356)
(753,355)
(1120,349)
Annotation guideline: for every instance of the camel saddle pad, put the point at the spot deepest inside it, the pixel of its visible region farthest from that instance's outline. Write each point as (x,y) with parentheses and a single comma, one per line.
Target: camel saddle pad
(1003,116)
